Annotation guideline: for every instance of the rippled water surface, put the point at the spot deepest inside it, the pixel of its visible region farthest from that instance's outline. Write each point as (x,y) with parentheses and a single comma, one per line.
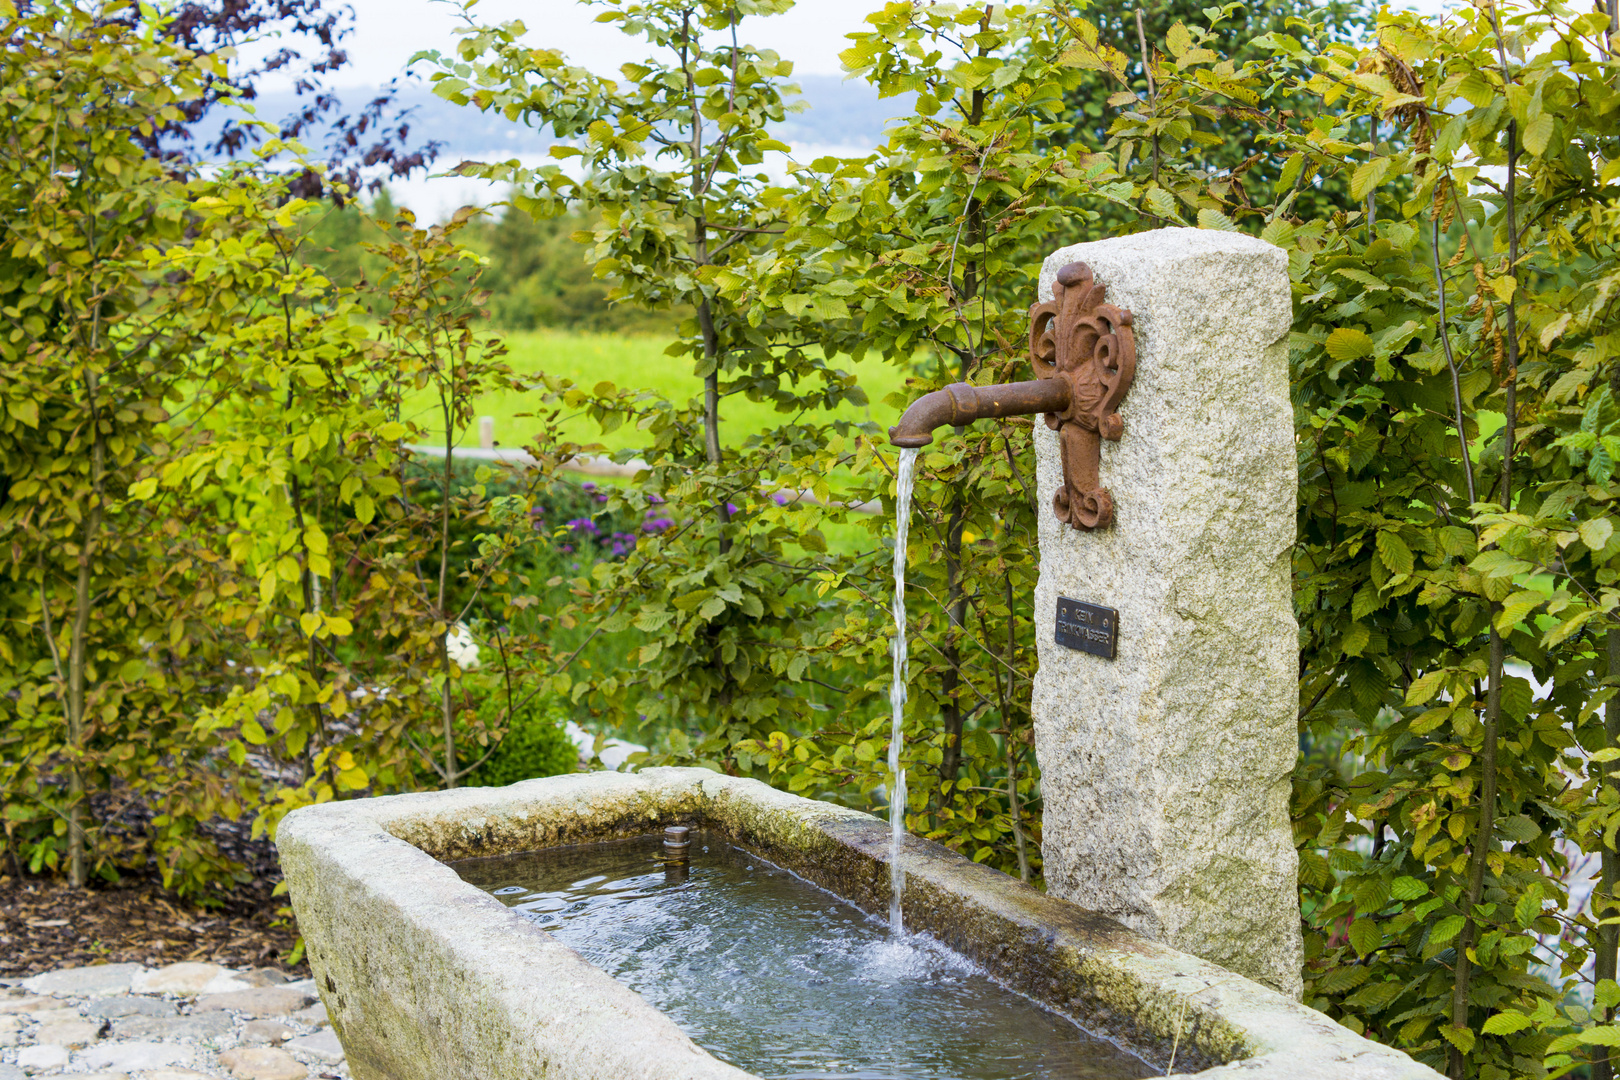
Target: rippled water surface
(772,974)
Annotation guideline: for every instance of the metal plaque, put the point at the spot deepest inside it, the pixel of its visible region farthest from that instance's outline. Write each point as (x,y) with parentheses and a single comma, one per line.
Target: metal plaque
(1087,627)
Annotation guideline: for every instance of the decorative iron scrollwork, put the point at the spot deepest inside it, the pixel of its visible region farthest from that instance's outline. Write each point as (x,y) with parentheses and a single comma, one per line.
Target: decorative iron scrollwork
(1079,338)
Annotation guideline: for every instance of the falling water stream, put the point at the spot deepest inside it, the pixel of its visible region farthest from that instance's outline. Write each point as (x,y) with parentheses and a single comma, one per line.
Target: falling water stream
(905,473)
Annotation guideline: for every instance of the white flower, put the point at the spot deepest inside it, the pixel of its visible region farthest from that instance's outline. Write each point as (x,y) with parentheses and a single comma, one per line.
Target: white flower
(462,648)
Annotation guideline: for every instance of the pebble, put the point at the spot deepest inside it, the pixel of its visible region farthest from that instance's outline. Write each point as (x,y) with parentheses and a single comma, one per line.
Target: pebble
(262,1063)
(73,1034)
(133,1056)
(115,1007)
(10,1023)
(322,1046)
(266,977)
(185,979)
(11,1072)
(211,1025)
(57,1016)
(314,1016)
(262,1001)
(27,1004)
(97,980)
(270,1031)
(40,1057)
(174,1074)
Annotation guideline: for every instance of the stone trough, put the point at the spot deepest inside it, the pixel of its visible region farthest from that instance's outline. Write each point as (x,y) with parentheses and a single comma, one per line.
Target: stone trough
(426,977)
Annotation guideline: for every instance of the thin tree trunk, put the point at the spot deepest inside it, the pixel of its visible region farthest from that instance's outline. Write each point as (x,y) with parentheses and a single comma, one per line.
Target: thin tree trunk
(446,699)
(78,873)
(950,682)
(1457,1062)
(1607,946)
(1013,802)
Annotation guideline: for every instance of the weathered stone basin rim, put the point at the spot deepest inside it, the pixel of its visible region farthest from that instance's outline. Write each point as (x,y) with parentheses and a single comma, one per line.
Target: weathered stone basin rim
(427,978)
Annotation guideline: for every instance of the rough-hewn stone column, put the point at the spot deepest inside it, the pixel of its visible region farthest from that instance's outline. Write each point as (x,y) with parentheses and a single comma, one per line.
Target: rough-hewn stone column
(1165,770)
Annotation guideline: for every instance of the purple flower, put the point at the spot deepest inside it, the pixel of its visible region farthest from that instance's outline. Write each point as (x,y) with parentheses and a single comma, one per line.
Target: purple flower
(781,498)
(655,524)
(731,508)
(587,486)
(584,525)
(656,500)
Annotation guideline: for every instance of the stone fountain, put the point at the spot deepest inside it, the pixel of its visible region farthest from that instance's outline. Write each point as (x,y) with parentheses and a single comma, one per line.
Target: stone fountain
(1165,728)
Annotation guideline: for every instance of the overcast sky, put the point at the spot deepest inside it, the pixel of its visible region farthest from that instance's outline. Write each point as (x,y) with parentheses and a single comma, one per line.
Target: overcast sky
(388,32)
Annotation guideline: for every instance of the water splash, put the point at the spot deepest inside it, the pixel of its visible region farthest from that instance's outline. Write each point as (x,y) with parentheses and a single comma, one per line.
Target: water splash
(905,474)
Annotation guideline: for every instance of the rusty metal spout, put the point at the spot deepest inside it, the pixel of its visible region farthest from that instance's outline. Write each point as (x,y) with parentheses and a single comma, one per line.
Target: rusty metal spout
(962,403)
(1084,351)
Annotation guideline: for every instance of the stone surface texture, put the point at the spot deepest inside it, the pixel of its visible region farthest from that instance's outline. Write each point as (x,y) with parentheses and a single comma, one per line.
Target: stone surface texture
(73,1034)
(134,1056)
(262,1063)
(281,1000)
(1165,771)
(322,1046)
(267,1031)
(42,1056)
(158,1035)
(426,977)
(92,981)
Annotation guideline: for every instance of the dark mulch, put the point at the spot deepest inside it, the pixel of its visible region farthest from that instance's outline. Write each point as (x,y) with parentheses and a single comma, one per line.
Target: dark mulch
(47,924)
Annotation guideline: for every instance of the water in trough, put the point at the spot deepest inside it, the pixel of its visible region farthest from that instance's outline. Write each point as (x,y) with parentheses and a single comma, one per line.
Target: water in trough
(783,979)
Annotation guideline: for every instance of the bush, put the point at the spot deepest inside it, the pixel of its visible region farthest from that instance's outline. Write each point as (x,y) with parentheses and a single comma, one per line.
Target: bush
(536,745)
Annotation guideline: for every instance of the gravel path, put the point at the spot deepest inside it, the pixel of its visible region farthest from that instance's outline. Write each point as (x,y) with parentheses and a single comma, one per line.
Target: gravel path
(186,1021)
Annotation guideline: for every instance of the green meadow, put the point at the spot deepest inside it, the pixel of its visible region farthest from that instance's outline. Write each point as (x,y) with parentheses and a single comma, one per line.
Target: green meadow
(628,361)
(640,362)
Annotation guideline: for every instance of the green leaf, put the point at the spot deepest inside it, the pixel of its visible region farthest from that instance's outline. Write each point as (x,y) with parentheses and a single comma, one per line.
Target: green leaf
(1519,828)
(1290,172)
(653,619)
(1214,219)
(1393,552)
(1348,343)
(1595,533)
(1517,606)
(1178,40)
(711,607)
(1446,929)
(1528,908)
(1506,1023)
(1367,177)
(1365,935)
(1407,888)
(1537,134)
(1607,994)
(1425,687)
(24,410)
(1604,1035)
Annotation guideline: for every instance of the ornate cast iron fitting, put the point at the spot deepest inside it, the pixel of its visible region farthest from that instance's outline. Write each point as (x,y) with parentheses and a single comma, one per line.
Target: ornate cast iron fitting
(1084,355)
(1088,343)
